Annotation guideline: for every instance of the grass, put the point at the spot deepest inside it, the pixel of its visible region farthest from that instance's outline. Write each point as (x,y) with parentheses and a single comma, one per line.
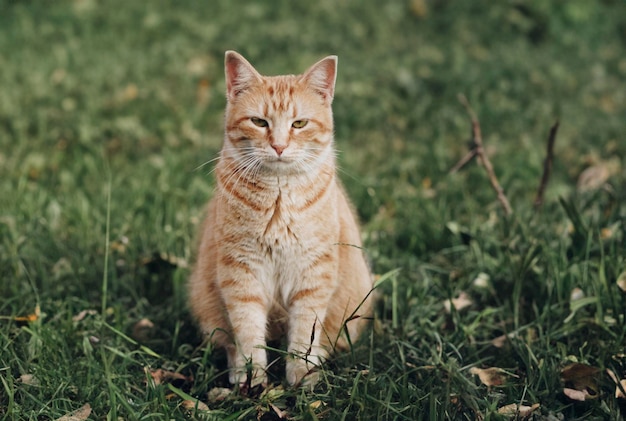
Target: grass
(109,109)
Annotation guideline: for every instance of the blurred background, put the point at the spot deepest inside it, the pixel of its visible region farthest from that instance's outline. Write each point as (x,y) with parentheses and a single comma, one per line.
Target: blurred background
(130,94)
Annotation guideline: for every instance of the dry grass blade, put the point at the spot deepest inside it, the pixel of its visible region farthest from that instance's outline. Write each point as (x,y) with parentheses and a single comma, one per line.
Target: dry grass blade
(620,385)
(547,165)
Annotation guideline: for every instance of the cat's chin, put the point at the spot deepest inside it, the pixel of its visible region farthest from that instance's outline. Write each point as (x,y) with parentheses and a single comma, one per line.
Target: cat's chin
(280,164)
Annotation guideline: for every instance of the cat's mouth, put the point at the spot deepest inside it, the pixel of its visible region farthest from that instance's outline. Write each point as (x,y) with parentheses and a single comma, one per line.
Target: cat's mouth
(280,160)
(280,164)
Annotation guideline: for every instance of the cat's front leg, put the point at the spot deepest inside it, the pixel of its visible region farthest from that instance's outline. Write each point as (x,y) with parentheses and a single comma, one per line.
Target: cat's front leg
(307,310)
(246,306)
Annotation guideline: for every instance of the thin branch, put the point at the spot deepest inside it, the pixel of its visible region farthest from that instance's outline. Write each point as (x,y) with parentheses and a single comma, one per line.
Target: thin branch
(463,161)
(547,165)
(482,156)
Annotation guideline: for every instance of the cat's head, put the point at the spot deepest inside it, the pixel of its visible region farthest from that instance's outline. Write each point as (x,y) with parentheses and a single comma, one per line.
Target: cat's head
(279,124)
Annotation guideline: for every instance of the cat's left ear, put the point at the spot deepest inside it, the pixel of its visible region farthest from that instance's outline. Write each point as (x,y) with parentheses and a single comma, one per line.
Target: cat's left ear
(321,76)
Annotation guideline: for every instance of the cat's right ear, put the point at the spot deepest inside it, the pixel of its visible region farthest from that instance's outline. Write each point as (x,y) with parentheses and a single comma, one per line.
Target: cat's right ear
(239,74)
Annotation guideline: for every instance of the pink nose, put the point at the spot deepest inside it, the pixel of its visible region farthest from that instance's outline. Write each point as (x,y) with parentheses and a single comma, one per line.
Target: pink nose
(279,149)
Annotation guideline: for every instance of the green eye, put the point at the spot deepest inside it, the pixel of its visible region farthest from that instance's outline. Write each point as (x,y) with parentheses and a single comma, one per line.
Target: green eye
(298,124)
(259,122)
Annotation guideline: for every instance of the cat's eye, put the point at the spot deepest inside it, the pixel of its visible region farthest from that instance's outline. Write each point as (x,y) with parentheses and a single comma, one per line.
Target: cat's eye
(298,124)
(259,122)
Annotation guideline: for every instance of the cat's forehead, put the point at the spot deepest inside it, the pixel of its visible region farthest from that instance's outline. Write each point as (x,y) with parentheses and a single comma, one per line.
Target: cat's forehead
(285,85)
(277,94)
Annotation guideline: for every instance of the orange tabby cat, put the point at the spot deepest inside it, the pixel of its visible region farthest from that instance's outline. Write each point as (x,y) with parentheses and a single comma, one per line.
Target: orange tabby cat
(280,248)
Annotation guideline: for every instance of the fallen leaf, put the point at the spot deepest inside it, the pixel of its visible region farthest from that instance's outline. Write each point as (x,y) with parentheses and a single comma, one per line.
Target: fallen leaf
(279,412)
(31,317)
(272,393)
(141,330)
(195,404)
(619,392)
(621,281)
(84,313)
(81,414)
(607,233)
(120,244)
(592,178)
(459,303)
(580,381)
(160,376)
(316,404)
(620,385)
(492,376)
(218,394)
(576,395)
(516,410)
(576,294)
(29,379)
(499,341)
(481,280)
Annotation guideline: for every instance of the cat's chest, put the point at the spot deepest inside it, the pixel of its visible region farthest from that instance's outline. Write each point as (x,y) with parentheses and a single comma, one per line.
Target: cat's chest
(284,225)
(297,218)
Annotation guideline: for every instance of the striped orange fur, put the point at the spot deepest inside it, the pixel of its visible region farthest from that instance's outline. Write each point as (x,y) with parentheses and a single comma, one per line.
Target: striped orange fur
(280,247)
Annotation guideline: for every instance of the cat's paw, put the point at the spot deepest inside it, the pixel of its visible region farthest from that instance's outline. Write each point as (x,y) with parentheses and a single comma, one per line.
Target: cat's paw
(245,378)
(301,373)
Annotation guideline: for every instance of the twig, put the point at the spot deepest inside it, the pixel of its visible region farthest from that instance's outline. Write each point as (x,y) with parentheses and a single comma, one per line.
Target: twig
(547,165)
(463,161)
(482,156)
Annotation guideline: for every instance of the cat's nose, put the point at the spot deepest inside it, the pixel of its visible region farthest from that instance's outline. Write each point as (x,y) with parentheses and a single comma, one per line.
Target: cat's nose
(279,148)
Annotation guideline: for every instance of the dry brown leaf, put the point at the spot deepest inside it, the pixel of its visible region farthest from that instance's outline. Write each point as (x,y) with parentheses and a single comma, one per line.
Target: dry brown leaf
(141,330)
(218,394)
(492,376)
(84,313)
(29,379)
(499,341)
(195,404)
(160,376)
(316,404)
(607,233)
(576,395)
(618,391)
(593,178)
(618,383)
(31,317)
(459,303)
(279,412)
(81,414)
(580,378)
(481,280)
(516,410)
(579,374)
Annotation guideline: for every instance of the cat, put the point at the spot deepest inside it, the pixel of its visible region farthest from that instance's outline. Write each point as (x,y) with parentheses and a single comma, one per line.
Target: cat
(280,251)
